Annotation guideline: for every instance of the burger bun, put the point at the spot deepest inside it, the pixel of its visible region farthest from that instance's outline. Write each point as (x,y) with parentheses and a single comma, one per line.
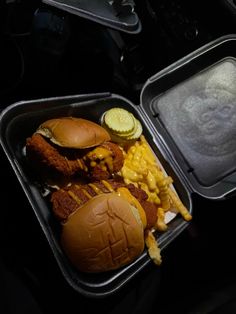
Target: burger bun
(72,132)
(104,234)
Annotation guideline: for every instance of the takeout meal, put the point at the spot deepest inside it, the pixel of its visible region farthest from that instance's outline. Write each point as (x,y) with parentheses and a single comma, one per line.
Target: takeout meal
(69,146)
(116,195)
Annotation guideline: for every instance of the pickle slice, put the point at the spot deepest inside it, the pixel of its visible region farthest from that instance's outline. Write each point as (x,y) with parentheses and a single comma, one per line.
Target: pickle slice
(131,133)
(137,133)
(119,120)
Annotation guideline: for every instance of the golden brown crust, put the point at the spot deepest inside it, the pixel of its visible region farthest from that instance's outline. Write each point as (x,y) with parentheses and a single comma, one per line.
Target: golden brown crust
(103,235)
(41,153)
(74,132)
(68,162)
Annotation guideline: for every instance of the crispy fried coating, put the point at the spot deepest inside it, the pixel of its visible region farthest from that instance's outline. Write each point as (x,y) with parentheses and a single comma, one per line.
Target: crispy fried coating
(66,201)
(70,162)
(117,155)
(151,213)
(62,200)
(77,195)
(44,154)
(149,207)
(103,161)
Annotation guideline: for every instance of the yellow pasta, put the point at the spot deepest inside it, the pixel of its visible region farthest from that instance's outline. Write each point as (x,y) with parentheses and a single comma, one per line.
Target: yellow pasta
(142,169)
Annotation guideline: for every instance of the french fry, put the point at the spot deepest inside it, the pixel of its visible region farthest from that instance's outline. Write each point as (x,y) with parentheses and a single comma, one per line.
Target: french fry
(160,224)
(179,205)
(153,249)
(163,187)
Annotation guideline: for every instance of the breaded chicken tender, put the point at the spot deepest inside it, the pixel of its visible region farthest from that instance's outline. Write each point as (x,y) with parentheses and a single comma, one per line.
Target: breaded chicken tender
(98,163)
(67,200)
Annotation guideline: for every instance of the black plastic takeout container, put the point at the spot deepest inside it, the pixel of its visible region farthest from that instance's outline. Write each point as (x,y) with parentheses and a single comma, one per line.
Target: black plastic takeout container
(201,78)
(27,116)
(116,14)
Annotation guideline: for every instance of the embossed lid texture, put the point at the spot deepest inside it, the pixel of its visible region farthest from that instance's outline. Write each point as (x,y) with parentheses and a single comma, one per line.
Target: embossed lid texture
(200,116)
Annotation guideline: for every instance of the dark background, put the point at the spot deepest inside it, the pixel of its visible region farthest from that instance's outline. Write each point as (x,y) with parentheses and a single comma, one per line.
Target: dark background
(46,52)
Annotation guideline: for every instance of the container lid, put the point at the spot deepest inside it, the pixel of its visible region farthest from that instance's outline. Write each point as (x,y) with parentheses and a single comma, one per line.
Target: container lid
(117,14)
(192,105)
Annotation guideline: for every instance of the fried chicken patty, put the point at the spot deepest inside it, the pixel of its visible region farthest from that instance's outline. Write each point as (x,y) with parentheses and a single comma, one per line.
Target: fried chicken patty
(67,200)
(97,163)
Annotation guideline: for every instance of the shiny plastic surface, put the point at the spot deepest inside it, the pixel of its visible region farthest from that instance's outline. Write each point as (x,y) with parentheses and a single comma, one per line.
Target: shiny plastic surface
(192,103)
(115,14)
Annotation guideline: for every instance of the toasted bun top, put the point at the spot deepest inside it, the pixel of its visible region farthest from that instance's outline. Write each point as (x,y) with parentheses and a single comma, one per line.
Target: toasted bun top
(104,234)
(74,132)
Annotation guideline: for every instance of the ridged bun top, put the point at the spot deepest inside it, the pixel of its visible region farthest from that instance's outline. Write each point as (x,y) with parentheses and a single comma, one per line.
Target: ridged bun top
(104,234)
(73,132)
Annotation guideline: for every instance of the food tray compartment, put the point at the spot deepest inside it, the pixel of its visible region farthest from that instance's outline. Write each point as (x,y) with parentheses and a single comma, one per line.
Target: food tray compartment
(193,104)
(19,121)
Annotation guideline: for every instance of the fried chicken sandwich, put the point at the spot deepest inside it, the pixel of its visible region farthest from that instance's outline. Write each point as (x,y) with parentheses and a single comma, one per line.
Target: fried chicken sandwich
(70,146)
(105,224)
